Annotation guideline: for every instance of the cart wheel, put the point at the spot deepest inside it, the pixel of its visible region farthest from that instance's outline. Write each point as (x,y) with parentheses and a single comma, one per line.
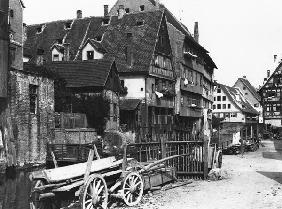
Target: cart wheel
(219,159)
(94,194)
(36,203)
(132,188)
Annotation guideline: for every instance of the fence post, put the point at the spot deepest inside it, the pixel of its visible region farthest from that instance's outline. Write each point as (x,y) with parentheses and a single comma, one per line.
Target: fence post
(163,147)
(205,155)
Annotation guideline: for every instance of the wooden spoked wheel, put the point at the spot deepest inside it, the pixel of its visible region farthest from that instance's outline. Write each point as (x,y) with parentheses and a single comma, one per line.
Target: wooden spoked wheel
(36,203)
(132,188)
(94,194)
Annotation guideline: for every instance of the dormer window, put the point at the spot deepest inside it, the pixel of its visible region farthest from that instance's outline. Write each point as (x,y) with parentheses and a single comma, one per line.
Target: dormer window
(60,41)
(98,38)
(40,29)
(90,55)
(105,21)
(127,10)
(67,25)
(142,8)
(140,23)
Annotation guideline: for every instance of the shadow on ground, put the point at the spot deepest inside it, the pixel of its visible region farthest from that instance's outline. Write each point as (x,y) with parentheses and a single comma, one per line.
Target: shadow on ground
(272,155)
(277,176)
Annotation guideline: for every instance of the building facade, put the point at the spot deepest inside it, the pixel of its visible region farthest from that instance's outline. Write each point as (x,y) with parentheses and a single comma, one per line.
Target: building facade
(238,117)
(271,98)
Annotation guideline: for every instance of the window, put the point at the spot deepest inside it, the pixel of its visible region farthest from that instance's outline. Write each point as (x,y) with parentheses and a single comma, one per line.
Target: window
(233,115)
(256,105)
(33,91)
(139,23)
(244,88)
(55,57)
(246,93)
(122,83)
(115,111)
(218,106)
(127,10)
(12,54)
(223,98)
(90,55)
(142,8)
(68,25)
(39,29)
(98,38)
(218,90)
(224,106)
(218,98)
(11,13)
(105,21)
(141,89)
(229,106)
(214,107)
(214,98)
(153,88)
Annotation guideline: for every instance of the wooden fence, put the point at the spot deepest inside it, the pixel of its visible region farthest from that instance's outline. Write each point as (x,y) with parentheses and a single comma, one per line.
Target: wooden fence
(194,148)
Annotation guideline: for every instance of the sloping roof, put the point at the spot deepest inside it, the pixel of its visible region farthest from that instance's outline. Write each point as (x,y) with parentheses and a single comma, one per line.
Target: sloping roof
(79,74)
(129,104)
(53,31)
(242,104)
(250,87)
(270,77)
(114,38)
(97,45)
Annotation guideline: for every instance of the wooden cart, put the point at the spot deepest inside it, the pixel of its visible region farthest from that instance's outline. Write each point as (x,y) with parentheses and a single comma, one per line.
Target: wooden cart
(90,184)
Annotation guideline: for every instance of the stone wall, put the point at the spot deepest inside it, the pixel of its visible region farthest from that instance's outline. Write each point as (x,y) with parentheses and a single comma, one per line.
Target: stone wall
(25,133)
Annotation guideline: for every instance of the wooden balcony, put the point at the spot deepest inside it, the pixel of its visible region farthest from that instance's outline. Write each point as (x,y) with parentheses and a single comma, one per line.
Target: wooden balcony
(186,111)
(191,88)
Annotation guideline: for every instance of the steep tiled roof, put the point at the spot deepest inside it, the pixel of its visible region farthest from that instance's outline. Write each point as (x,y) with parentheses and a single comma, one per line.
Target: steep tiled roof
(129,104)
(114,38)
(251,88)
(241,104)
(79,74)
(56,30)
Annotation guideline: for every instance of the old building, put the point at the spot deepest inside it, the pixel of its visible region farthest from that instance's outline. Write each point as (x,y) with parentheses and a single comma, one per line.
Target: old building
(239,118)
(271,98)
(92,88)
(26,117)
(251,94)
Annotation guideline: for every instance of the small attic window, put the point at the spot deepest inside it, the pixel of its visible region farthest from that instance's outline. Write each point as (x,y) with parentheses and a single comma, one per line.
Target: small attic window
(68,25)
(105,21)
(142,8)
(40,28)
(127,10)
(60,41)
(140,23)
(98,38)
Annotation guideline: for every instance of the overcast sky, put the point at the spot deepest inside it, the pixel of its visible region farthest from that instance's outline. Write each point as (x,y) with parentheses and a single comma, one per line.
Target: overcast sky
(241,35)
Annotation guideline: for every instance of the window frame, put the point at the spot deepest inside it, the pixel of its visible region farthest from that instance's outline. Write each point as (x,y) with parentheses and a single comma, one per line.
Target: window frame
(88,54)
(33,98)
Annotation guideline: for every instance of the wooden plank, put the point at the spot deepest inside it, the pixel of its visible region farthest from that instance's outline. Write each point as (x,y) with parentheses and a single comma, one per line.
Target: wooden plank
(77,170)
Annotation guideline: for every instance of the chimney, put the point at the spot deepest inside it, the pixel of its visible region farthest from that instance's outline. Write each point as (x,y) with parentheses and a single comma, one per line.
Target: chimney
(78,14)
(196,32)
(157,4)
(244,77)
(275,58)
(66,52)
(121,11)
(129,54)
(268,73)
(106,10)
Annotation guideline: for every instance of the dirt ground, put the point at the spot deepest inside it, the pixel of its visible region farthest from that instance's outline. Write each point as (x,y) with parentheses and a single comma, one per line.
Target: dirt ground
(254,181)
